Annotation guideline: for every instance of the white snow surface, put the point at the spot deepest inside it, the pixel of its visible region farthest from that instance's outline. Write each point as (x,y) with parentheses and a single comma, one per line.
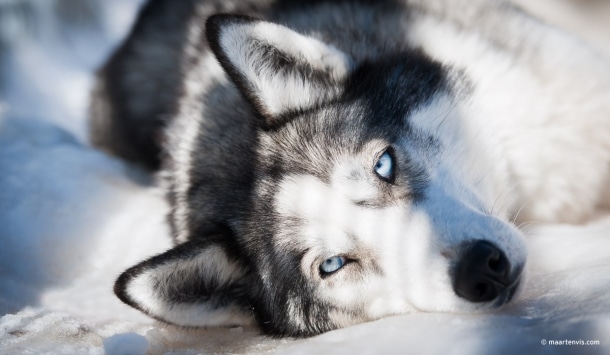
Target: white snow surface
(72,219)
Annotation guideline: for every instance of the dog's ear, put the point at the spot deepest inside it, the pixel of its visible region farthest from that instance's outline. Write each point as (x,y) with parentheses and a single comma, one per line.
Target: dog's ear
(277,69)
(194,284)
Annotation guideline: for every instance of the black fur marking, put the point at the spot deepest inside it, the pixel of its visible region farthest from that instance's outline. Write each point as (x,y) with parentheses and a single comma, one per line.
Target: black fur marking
(394,87)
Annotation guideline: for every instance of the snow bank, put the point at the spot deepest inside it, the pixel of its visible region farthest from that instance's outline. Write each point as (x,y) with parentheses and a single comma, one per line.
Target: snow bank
(72,218)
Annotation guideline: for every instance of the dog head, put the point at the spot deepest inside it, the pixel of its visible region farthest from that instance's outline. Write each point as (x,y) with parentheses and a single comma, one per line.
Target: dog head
(368,199)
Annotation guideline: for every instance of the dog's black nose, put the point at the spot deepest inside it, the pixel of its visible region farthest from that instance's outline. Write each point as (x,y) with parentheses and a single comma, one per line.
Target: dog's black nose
(481,273)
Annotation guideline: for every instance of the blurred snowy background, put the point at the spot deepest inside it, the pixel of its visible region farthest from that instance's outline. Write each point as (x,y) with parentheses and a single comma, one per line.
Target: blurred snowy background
(71,219)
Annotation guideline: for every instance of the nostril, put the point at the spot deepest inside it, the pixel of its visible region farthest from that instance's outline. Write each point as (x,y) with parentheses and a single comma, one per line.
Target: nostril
(494,262)
(499,267)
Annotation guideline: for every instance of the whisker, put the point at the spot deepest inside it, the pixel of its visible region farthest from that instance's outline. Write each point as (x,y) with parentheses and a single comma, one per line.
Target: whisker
(516,216)
(502,195)
(523,226)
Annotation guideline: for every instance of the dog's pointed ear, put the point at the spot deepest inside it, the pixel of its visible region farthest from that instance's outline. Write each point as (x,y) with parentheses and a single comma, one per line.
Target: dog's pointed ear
(277,69)
(194,284)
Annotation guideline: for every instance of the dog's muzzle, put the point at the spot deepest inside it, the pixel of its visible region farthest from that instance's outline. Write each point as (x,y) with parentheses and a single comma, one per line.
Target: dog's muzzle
(483,274)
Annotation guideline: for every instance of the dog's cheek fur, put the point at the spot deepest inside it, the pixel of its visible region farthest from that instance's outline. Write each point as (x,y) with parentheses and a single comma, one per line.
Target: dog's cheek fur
(289,306)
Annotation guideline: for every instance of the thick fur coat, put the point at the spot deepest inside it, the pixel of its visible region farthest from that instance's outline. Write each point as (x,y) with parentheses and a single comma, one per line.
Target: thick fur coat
(334,162)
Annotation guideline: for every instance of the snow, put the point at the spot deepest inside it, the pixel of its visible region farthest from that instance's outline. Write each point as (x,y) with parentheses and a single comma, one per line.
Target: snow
(126,343)
(72,218)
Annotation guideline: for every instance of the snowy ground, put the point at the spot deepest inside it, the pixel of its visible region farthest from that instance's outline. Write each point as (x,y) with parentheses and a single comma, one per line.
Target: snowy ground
(71,219)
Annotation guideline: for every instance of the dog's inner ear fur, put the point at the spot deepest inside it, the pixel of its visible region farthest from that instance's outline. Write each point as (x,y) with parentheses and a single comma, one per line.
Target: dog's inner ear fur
(277,69)
(194,284)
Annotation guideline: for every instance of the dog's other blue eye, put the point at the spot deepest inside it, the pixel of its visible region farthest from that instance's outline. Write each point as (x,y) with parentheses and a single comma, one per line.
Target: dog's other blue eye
(333,264)
(385,166)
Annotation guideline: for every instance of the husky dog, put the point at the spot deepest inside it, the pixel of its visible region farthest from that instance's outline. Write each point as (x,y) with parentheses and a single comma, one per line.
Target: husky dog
(334,162)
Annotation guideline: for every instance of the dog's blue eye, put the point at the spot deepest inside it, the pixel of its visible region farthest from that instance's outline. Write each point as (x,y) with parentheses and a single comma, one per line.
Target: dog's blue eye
(385,166)
(333,264)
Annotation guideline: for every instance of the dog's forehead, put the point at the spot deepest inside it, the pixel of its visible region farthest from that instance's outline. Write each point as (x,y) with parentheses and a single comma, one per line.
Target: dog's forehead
(376,103)
(314,143)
